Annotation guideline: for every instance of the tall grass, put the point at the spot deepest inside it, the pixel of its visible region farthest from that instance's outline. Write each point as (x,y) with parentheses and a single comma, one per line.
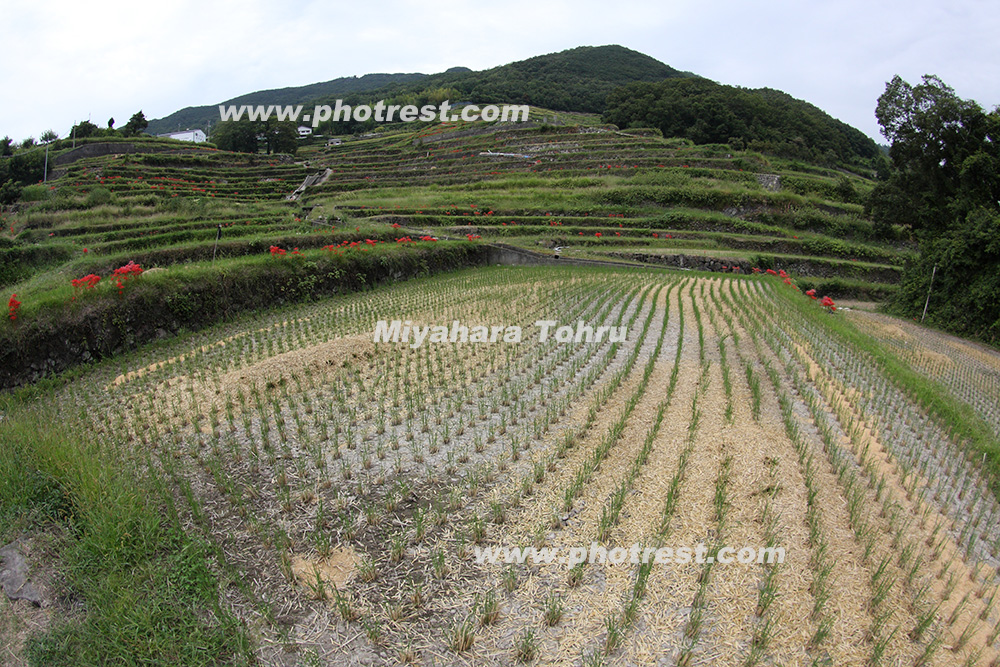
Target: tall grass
(149,594)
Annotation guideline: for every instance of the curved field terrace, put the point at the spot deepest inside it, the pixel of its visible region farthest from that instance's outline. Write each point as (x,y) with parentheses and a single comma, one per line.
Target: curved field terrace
(348,488)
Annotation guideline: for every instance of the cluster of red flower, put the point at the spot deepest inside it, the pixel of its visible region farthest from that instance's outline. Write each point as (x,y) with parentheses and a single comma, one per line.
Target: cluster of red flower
(12,307)
(87,282)
(123,273)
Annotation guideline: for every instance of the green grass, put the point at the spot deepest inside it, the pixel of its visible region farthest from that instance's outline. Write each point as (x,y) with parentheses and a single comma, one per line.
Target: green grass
(150,596)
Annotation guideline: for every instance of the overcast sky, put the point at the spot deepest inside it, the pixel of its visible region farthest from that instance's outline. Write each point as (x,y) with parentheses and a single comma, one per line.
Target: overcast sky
(69,61)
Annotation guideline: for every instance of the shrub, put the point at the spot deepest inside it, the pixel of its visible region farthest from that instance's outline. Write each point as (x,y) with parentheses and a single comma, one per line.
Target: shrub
(98,196)
(39,192)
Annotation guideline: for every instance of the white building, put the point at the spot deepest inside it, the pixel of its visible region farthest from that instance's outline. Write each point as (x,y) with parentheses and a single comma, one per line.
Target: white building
(197,136)
(304,131)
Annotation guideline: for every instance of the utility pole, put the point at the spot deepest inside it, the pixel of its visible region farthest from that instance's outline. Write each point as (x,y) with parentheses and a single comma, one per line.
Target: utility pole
(45,170)
(928,301)
(218,236)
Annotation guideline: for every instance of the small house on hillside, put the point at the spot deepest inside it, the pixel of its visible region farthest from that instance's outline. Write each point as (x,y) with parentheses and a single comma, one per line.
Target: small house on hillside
(197,136)
(304,131)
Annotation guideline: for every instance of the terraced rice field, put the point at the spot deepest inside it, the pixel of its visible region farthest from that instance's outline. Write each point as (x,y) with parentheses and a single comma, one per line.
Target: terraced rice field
(348,485)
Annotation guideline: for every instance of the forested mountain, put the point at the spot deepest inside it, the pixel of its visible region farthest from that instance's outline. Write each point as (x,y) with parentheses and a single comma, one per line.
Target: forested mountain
(578,79)
(762,119)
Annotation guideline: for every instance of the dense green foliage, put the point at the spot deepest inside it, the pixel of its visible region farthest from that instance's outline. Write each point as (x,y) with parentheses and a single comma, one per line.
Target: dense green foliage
(247,136)
(946,185)
(578,79)
(764,120)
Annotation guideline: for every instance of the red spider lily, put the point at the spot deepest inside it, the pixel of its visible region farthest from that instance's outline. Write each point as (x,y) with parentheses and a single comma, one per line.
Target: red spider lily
(395,225)
(772,272)
(655,235)
(277,252)
(295,251)
(597,234)
(85,250)
(129,269)
(811,293)
(827,302)
(123,273)
(404,239)
(473,236)
(87,282)
(428,238)
(12,306)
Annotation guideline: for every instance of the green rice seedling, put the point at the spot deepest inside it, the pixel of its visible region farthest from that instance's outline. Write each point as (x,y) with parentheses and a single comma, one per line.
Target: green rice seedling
(526,647)
(614,633)
(397,548)
(966,635)
(417,595)
(763,633)
(439,563)
(477,529)
(823,629)
(879,647)
(925,619)
(346,610)
(553,610)
(508,578)
(460,636)
(488,608)
(367,570)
